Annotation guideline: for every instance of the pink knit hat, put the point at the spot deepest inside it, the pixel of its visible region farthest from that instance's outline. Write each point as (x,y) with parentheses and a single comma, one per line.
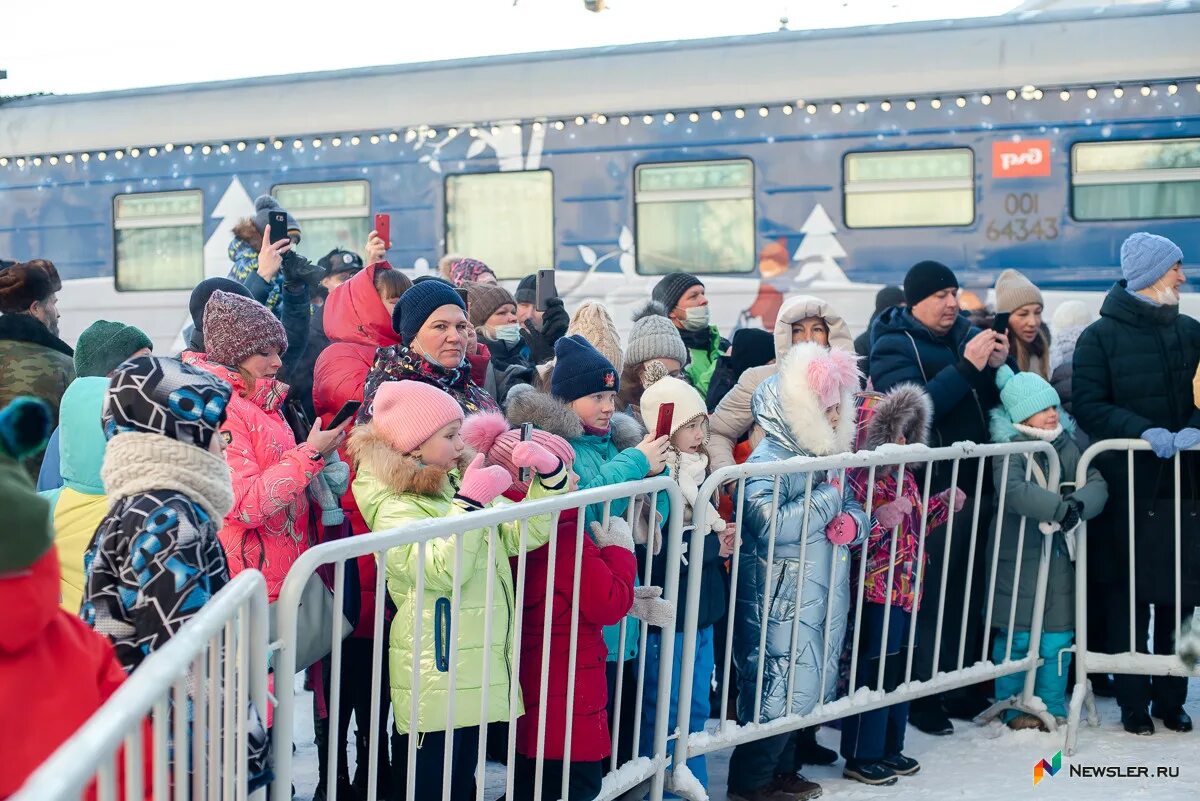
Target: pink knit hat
(489,433)
(235,328)
(409,412)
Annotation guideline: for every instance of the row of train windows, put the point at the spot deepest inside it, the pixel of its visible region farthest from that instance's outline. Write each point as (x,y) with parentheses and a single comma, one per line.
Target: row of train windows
(697,216)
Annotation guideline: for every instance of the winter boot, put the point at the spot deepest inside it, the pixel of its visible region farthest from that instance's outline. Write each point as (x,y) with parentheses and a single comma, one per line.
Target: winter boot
(875,773)
(901,765)
(798,787)
(810,752)
(1026,721)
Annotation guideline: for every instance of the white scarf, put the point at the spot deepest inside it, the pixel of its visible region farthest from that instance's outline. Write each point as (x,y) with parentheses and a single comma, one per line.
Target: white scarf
(1044,434)
(690,471)
(135,462)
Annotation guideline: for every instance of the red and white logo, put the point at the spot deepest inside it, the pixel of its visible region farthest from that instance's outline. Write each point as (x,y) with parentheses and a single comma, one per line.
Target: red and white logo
(1027,159)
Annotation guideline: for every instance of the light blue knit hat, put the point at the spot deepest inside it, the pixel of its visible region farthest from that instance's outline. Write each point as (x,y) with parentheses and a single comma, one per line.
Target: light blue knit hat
(1145,258)
(1024,394)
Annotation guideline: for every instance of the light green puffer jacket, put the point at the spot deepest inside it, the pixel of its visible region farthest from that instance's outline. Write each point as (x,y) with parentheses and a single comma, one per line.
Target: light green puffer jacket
(393,490)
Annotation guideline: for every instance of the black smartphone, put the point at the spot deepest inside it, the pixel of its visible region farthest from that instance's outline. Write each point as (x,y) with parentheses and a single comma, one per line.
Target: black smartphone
(526,435)
(348,410)
(1000,323)
(544,289)
(277,220)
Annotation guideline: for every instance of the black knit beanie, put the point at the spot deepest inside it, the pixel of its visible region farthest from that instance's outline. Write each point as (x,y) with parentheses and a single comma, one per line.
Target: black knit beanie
(926,278)
(671,287)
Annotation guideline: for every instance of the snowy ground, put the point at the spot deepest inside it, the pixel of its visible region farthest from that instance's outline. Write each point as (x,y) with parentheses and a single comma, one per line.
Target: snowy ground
(977,762)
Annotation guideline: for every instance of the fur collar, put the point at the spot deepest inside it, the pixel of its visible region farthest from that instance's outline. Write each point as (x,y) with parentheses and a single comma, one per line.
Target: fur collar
(527,405)
(246,231)
(787,408)
(26,328)
(397,471)
(906,410)
(135,463)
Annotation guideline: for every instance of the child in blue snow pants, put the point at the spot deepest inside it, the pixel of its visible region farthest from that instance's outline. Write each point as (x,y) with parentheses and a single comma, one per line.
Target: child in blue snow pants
(701,689)
(1050,681)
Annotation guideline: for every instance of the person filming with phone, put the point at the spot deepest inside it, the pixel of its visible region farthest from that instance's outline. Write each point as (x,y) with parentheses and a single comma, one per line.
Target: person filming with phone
(932,345)
(541,315)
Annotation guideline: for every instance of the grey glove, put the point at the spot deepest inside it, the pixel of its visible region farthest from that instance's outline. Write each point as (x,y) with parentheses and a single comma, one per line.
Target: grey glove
(649,605)
(617,533)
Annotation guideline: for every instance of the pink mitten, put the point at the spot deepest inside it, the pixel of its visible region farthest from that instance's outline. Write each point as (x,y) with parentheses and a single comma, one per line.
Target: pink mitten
(482,485)
(889,515)
(841,529)
(958,501)
(530,454)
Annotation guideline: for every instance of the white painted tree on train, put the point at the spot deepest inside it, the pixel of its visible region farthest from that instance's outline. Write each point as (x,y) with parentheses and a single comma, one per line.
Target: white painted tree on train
(819,251)
(234,206)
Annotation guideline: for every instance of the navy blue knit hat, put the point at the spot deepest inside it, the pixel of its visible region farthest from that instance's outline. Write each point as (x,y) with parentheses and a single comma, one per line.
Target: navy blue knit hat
(580,369)
(419,301)
(671,287)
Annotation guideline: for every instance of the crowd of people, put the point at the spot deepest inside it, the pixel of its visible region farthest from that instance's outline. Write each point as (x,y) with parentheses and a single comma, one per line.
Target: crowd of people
(166,476)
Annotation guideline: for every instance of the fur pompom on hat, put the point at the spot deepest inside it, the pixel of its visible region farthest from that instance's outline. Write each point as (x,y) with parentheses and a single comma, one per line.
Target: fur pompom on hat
(24,426)
(263,206)
(905,411)
(28,532)
(831,374)
(235,328)
(489,433)
(1024,394)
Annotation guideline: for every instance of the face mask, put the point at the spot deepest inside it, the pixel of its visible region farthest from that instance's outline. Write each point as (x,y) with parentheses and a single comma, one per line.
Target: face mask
(696,318)
(510,333)
(1166,296)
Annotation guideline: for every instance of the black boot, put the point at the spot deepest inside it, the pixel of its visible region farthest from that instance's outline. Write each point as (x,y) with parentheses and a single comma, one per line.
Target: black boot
(810,752)
(383,781)
(1102,685)
(927,715)
(1137,721)
(1174,719)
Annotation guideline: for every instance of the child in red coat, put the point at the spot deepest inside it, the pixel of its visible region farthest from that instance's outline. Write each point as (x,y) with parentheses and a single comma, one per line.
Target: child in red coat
(606,573)
(55,672)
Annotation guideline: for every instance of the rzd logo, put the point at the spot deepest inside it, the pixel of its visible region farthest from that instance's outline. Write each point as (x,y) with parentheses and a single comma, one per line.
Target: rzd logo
(1041,768)
(1028,159)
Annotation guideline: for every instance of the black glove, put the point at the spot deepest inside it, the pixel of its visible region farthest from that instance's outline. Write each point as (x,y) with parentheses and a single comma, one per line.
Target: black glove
(555,321)
(299,270)
(1073,516)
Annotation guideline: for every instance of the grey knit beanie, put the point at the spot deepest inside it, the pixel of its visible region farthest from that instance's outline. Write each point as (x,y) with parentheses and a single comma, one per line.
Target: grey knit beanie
(654,336)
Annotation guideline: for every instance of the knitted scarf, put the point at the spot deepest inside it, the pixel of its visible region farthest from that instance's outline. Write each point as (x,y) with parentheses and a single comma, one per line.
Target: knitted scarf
(135,463)
(400,363)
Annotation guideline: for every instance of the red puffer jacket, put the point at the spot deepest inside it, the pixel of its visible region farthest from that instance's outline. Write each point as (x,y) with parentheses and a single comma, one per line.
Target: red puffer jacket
(55,673)
(605,596)
(357,323)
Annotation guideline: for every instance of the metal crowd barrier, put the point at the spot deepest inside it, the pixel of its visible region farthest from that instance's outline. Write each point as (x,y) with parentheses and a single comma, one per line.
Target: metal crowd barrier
(620,779)
(1133,660)
(862,699)
(192,697)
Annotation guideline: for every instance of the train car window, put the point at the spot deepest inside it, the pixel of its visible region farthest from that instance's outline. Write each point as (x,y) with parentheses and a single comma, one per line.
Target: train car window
(159,240)
(696,216)
(909,188)
(334,214)
(1141,180)
(505,219)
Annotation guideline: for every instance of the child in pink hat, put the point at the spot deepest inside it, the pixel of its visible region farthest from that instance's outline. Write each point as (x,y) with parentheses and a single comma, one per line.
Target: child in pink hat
(413,466)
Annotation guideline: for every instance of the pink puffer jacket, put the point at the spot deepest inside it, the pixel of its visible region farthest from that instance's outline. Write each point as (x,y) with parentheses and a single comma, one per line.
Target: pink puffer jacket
(267,528)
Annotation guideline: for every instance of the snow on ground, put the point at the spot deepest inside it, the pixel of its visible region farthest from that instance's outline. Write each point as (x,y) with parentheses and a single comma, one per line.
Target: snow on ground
(977,763)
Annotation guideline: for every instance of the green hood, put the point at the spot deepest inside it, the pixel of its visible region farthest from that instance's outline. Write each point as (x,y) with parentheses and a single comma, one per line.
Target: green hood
(81,441)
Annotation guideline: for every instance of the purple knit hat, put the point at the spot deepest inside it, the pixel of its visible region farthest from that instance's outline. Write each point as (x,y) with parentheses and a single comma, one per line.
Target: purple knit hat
(235,328)
(465,270)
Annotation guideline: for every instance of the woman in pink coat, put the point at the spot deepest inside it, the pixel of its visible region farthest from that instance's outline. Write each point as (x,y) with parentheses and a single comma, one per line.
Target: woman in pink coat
(268,526)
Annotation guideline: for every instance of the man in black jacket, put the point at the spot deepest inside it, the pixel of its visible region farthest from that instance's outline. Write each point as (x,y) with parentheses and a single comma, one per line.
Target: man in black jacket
(931,345)
(1133,372)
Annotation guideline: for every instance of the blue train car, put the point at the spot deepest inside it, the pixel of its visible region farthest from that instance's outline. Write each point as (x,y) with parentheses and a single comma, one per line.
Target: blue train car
(822,162)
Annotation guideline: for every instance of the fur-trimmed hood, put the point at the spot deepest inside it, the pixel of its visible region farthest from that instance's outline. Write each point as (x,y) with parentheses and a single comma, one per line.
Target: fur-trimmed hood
(801,307)
(788,408)
(399,471)
(248,232)
(905,410)
(526,405)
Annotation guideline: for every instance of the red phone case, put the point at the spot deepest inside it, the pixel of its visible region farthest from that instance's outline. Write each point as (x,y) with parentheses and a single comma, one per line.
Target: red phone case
(665,413)
(383,227)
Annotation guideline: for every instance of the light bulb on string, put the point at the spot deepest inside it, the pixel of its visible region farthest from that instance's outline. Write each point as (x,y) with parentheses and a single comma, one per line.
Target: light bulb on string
(204,151)
(134,152)
(935,103)
(187,150)
(763,111)
(716,115)
(240,146)
(624,120)
(911,105)
(885,105)
(669,117)
(647,119)
(836,108)
(279,144)
(1064,95)
(985,100)
(1118,92)
(1091,93)
(54,159)
(1011,94)
(393,137)
(740,113)
(862,106)
(811,108)
(336,141)
(101,156)
(961,102)
(1145,91)
(558,125)
(1172,88)
(787,109)
(695,117)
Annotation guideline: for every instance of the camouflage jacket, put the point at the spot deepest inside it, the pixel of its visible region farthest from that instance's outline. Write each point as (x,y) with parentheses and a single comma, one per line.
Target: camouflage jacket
(33,362)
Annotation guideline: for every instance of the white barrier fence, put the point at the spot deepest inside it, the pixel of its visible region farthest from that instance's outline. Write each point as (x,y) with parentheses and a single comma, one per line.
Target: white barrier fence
(1147,523)
(452,531)
(970,668)
(191,697)
(194,670)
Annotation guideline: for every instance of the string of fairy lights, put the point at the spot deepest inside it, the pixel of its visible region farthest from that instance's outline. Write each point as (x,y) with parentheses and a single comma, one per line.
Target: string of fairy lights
(410,135)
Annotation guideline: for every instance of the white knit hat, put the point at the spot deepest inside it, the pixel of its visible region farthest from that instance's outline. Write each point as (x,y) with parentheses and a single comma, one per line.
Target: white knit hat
(662,388)
(1071,314)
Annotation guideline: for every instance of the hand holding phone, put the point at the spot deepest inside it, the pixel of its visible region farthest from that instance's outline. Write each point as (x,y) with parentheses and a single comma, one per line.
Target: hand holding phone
(526,436)
(1000,323)
(544,289)
(383,228)
(665,414)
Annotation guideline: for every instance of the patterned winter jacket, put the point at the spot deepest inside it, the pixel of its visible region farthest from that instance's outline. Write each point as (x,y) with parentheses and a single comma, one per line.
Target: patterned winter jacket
(33,362)
(244,256)
(879,543)
(399,363)
(268,526)
(155,559)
